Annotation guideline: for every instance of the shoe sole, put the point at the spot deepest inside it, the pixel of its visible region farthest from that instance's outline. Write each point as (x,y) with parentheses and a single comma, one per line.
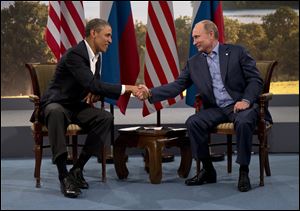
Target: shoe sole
(205,182)
(70,195)
(244,189)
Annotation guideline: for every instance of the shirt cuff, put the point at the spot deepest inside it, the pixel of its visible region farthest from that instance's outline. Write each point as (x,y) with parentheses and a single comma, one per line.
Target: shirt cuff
(247,101)
(123,89)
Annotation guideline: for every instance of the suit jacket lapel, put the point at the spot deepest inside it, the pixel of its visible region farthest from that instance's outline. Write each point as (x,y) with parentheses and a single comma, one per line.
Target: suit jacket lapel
(84,52)
(224,54)
(98,65)
(205,73)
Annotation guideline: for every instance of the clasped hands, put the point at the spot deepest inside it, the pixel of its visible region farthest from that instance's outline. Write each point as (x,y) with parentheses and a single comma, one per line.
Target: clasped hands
(140,91)
(91,98)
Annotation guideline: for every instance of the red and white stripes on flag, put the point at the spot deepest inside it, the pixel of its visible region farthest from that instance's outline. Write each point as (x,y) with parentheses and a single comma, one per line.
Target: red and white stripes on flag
(65,26)
(161,57)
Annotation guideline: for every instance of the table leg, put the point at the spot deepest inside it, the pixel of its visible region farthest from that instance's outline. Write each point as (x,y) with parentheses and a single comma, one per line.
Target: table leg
(120,160)
(186,161)
(155,169)
(146,160)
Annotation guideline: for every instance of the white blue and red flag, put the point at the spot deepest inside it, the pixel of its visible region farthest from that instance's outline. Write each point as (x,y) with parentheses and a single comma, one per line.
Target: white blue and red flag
(209,10)
(120,64)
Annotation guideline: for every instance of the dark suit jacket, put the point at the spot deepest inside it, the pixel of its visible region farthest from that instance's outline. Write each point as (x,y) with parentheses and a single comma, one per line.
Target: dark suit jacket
(238,70)
(73,80)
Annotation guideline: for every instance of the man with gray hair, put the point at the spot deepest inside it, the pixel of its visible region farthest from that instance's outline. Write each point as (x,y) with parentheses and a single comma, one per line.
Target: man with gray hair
(74,88)
(229,84)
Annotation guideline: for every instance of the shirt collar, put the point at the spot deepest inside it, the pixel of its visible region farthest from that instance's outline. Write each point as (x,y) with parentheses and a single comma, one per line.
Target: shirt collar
(216,49)
(91,54)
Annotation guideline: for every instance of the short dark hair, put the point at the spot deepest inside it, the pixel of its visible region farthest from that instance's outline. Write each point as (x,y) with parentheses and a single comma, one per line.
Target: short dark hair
(211,26)
(97,24)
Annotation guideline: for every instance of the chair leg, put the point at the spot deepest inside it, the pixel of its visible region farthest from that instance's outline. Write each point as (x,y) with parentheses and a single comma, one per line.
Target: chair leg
(38,151)
(262,158)
(198,166)
(74,148)
(229,153)
(103,163)
(267,164)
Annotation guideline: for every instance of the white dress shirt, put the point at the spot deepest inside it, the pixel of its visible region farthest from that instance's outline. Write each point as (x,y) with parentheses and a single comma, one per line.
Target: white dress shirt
(93,60)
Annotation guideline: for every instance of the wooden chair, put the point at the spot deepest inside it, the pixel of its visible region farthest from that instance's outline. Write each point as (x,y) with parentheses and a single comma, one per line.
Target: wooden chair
(266,69)
(41,74)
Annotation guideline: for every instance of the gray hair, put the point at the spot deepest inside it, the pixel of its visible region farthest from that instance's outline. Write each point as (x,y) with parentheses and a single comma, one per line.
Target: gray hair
(97,24)
(211,26)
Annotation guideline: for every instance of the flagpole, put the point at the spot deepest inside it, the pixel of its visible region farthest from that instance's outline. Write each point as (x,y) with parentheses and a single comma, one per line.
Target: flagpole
(165,156)
(158,118)
(109,155)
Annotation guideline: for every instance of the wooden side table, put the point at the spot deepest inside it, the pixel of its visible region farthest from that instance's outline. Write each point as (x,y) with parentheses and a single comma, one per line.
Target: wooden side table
(153,141)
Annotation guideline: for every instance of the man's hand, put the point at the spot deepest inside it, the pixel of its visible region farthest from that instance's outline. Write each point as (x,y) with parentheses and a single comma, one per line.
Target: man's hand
(91,98)
(143,92)
(131,89)
(240,105)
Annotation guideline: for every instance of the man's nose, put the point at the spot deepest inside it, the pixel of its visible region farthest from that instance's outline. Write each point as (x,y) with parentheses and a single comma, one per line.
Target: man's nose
(194,42)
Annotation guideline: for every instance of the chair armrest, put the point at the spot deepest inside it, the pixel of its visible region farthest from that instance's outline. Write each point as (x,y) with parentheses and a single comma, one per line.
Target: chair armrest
(34,98)
(35,118)
(263,104)
(265,97)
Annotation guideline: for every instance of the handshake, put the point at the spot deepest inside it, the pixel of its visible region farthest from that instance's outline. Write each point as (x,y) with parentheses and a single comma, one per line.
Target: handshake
(141,91)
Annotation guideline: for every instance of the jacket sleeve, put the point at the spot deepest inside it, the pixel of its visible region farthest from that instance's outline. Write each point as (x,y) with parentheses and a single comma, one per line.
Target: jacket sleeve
(80,69)
(172,89)
(254,82)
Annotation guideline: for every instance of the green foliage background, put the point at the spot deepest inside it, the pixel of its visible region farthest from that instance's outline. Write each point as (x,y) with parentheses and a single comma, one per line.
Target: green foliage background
(23,25)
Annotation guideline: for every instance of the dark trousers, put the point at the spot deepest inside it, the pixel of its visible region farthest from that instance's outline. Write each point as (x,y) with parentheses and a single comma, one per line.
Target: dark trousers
(199,125)
(96,122)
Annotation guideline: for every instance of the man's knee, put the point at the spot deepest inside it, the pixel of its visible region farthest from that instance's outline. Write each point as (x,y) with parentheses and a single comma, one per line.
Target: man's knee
(55,112)
(195,121)
(106,116)
(243,122)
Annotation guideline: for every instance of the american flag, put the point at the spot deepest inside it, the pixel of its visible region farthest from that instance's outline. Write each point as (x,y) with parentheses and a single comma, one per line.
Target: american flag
(161,57)
(65,26)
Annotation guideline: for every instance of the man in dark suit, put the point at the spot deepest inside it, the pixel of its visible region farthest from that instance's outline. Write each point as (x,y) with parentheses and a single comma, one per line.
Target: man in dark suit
(229,83)
(69,97)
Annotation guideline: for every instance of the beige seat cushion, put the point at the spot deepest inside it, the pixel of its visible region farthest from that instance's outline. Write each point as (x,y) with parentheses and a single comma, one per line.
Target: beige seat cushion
(71,127)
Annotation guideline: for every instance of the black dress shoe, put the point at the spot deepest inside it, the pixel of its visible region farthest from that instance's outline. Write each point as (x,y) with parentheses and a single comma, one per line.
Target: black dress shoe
(203,177)
(244,182)
(78,178)
(68,188)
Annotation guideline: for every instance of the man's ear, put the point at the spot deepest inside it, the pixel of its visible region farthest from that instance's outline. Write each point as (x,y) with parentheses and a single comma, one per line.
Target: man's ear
(93,32)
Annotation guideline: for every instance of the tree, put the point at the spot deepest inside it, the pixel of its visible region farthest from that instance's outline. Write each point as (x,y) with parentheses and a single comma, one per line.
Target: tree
(282,22)
(232,28)
(282,29)
(277,38)
(22,30)
(183,30)
(252,36)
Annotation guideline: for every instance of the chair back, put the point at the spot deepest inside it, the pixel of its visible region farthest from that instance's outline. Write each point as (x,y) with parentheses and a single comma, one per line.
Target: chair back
(266,70)
(41,75)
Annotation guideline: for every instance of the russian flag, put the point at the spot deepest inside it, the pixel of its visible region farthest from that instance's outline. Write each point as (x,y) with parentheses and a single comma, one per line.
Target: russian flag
(120,63)
(204,10)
